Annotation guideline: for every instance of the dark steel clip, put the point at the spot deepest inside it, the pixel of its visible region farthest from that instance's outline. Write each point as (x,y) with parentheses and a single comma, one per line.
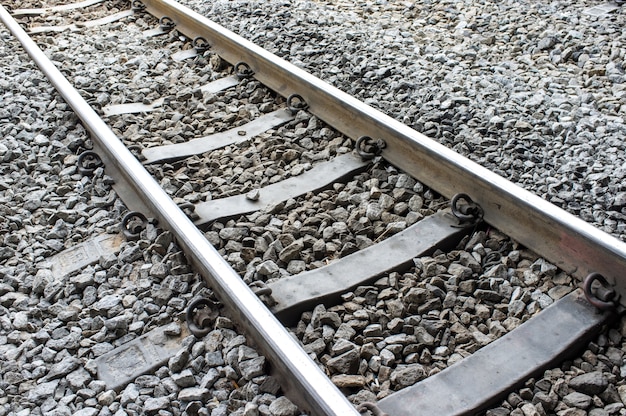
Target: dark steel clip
(370,407)
(467,213)
(166,23)
(260,288)
(263,292)
(369,148)
(243,70)
(88,162)
(189,209)
(201,45)
(295,103)
(605,298)
(200,316)
(132,224)
(138,6)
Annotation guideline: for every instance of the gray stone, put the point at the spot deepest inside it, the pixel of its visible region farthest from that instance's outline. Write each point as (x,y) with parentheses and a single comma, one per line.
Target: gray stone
(590,384)
(86,411)
(108,302)
(282,406)
(129,394)
(154,404)
(252,368)
(407,375)
(42,391)
(178,361)
(267,268)
(291,252)
(343,363)
(193,393)
(184,379)
(62,368)
(78,379)
(576,399)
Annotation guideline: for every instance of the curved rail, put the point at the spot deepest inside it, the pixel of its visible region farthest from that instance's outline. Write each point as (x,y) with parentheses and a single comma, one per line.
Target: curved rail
(306,385)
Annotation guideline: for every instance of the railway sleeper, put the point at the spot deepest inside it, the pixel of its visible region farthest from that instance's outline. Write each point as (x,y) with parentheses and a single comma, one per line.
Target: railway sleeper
(485,377)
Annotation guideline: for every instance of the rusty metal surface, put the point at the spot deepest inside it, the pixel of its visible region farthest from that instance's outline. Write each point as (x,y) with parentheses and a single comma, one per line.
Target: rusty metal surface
(319,177)
(565,240)
(297,293)
(486,376)
(217,140)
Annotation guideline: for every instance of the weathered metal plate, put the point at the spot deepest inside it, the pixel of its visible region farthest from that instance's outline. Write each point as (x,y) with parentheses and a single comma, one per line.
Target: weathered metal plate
(154,32)
(78,25)
(217,140)
(86,253)
(52,9)
(601,9)
(297,293)
(489,374)
(185,54)
(318,177)
(60,28)
(220,84)
(131,108)
(122,365)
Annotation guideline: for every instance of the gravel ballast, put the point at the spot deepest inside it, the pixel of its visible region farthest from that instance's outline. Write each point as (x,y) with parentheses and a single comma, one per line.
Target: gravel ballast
(534,92)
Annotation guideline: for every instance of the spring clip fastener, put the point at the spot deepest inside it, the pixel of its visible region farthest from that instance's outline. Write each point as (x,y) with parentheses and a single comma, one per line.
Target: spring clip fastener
(603,296)
(201,45)
(200,316)
(295,103)
(470,212)
(243,70)
(189,209)
(369,148)
(370,407)
(138,6)
(133,223)
(263,291)
(88,162)
(167,23)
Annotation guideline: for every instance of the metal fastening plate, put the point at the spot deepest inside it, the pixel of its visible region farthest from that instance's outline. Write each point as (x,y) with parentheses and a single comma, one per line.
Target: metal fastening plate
(220,84)
(133,108)
(122,365)
(78,25)
(319,177)
(217,140)
(82,255)
(295,294)
(154,32)
(601,9)
(53,9)
(184,54)
(489,374)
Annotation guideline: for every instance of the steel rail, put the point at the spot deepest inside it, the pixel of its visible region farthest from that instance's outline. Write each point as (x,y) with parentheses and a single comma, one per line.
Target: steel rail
(565,240)
(303,382)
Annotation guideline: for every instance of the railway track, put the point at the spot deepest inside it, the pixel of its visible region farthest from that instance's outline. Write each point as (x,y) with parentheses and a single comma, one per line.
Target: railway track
(287,195)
